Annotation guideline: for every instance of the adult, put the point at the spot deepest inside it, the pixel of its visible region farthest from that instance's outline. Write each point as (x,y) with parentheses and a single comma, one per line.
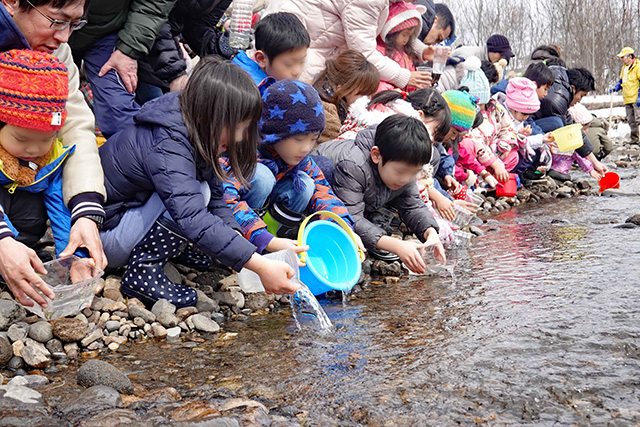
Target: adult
(337,25)
(496,50)
(438,24)
(119,33)
(569,87)
(45,25)
(629,84)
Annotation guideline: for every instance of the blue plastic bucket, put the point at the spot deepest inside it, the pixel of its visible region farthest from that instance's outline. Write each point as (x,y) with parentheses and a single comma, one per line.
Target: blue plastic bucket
(333,260)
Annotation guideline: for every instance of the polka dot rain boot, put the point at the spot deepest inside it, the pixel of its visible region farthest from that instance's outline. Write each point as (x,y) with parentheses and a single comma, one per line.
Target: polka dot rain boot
(144,278)
(192,257)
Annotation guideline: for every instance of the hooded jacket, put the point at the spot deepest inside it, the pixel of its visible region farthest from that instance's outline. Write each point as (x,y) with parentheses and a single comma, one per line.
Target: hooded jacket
(357,182)
(631,85)
(557,103)
(82,178)
(156,155)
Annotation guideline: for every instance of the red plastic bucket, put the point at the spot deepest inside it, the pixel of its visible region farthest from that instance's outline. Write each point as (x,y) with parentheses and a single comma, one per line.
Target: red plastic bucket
(509,188)
(609,180)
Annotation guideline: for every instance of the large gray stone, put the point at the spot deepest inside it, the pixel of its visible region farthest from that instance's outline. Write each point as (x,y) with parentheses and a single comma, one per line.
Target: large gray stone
(29,381)
(10,313)
(98,372)
(6,351)
(137,311)
(204,324)
(21,394)
(205,303)
(70,330)
(93,400)
(168,320)
(18,331)
(41,331)
(163,306)
(233,298)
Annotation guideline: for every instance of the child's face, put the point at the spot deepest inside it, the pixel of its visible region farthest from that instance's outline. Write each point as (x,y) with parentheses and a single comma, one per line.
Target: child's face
(578,96)
(287,65)
(453,134)
(403,37)
(292,150)
(521,117)
(238,135)
(494,57)
(394,174)
(542,91)
(26,144)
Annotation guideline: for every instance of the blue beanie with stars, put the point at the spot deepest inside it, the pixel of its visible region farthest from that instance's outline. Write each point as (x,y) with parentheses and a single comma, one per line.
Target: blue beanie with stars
(290,108)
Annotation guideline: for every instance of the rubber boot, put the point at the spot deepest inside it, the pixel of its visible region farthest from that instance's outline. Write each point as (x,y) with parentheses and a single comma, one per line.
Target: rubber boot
(192,257)
(145,279)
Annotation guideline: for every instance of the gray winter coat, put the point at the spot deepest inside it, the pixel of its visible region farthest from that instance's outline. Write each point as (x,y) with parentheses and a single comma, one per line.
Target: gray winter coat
(357,183)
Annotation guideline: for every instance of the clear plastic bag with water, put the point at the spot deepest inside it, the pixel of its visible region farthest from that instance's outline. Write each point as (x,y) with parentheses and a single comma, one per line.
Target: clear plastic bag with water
(74,282)
(463,216)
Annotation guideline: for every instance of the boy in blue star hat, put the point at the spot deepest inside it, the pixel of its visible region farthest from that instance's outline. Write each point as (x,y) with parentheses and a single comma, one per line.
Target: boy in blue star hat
(292,120)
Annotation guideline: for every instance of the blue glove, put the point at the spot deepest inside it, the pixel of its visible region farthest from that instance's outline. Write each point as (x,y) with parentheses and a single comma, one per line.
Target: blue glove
(617,87)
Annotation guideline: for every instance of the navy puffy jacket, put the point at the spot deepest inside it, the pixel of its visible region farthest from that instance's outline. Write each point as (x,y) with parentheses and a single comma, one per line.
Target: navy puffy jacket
(155,155)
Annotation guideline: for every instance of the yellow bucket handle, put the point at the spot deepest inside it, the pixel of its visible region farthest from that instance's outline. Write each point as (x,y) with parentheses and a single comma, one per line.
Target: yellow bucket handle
(337,219)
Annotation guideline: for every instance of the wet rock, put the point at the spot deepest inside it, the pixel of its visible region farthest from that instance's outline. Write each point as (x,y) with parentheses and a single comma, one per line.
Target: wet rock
(95,399)
(159,331)
(228,282)
(10,313)
(204,324)
(21,394)
(69,330)
(583,184)
(185,312)
(195,411)
(137,311)
(172,273)
(6,351)
(18,331)
(116,417)
(390,269)
(97,372)
(15,363)
(232,299)
(29,381)
(112,325)
(173,334)
(633,220)
(168,320)
(163,306)
(475,230)
(205,303)
(217,317)
(238,403)
(626,225)
(366,266)
(616,192)
(99,303)
(41,331)
(35,354)
(93,336)
(113,294)
(256,301)
(72,350)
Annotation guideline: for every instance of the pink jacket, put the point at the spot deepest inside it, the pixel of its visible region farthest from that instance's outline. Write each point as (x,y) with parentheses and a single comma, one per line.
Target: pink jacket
(337,25)
(401,59)
(473,155)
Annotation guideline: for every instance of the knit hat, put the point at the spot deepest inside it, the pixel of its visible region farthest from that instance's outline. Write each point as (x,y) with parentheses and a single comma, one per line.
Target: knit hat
(290,108)
(580,114)
(522,95)
(500,44)
(34,87)
(476,80)
(403,15)
(463,109)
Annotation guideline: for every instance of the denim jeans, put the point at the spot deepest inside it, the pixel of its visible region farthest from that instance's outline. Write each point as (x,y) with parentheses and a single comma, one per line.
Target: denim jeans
(549,124)
(265,187)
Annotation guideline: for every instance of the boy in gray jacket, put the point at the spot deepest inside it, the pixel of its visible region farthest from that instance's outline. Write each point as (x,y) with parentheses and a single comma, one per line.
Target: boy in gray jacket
(379,169)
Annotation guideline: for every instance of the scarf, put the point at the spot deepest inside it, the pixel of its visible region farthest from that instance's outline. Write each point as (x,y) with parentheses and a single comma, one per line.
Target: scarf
(20,172)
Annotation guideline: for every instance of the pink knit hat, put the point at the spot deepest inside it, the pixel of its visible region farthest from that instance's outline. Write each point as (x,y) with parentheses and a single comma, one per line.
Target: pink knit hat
(580,114)
(522,95)
(403,15)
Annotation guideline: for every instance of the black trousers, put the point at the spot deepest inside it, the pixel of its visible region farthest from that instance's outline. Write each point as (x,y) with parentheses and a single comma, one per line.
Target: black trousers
(27,212)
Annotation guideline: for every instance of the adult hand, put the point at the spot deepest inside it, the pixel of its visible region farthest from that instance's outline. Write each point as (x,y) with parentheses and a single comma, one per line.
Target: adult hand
(420,79)
(278,244)
(126,67)
(18,266)
(85,234)
(178,83)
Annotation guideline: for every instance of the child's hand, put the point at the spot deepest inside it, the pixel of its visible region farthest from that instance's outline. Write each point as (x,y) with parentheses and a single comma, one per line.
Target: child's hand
(445,208)
(467,205)
(278,244)
(359,243)
(526,131)
(409,254)
(471,179)
(501,172)
(420,79)
(451,182)
(596,175)
(432,239)
(549,139)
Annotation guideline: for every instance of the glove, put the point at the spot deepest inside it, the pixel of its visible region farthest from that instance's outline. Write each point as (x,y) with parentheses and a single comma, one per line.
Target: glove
(490,179)
(638,102)
(616,88)
(471,179)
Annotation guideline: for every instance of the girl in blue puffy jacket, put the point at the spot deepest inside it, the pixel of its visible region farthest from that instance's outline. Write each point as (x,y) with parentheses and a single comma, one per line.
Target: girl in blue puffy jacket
(164,185)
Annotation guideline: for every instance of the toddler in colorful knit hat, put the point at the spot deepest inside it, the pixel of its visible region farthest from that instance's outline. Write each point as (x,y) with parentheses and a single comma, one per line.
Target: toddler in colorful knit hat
(33,95)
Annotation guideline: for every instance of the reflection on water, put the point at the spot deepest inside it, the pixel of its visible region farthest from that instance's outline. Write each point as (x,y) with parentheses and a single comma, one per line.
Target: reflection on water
(541,326)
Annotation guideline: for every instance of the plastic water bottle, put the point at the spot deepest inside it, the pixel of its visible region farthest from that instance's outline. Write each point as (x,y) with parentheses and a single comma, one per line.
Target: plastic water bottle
(240,37)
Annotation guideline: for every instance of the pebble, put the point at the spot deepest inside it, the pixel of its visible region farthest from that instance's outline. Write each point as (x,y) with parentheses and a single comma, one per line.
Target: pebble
(217,317)
(93,335)
(116,306)
(259,301)
(205,303)
(97,372)
(96,345)
(159,331)
(99,303)
(29,381)
(95,399)
(113,294)
(54,346)
(137,311)
(41,331)
(163,306)
(168,320)
(82,318)
(6,351)
(635,219)
(172,273)
(112,282)
(232,299)
(35,354)
(21,394)
(204,324)
(114,346)
(17,347)
(18,331)
(15,363)
(173,334)
(139,322)
(72,350)
(185,312)
(70,330)
(10,313)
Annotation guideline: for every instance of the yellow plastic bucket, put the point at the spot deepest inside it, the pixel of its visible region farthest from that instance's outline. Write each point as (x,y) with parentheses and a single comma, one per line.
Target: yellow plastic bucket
(568,138)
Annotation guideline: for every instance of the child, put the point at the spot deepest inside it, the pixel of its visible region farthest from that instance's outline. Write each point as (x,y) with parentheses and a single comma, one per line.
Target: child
(398,35)
(379,168)
(281,43)
(292,120)
(33,93)
(164,184)
(595,129)
(344,80)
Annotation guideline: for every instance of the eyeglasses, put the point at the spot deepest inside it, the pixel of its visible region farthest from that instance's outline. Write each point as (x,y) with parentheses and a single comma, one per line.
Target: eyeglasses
(59,24)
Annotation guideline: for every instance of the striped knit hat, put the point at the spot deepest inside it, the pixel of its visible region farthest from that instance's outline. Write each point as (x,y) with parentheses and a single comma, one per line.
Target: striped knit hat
(34,87)
(463,109)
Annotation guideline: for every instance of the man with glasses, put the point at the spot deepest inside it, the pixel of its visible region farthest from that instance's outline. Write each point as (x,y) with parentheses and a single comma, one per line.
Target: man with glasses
(119,33)
(629,84)
(45,25)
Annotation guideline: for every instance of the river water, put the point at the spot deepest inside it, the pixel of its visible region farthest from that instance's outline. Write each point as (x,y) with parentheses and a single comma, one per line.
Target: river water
(541,326)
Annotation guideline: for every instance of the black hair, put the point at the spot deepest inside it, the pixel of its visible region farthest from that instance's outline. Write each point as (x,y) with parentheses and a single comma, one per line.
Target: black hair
(490,71)
(403,139)
(544,52)
(478,120)
(56,4)
(632,56)
(581,79)
(429,101)
(555,61)
(390,46)
(540,73)
(279,33)
(2,124)
(218,97)
(445,18)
